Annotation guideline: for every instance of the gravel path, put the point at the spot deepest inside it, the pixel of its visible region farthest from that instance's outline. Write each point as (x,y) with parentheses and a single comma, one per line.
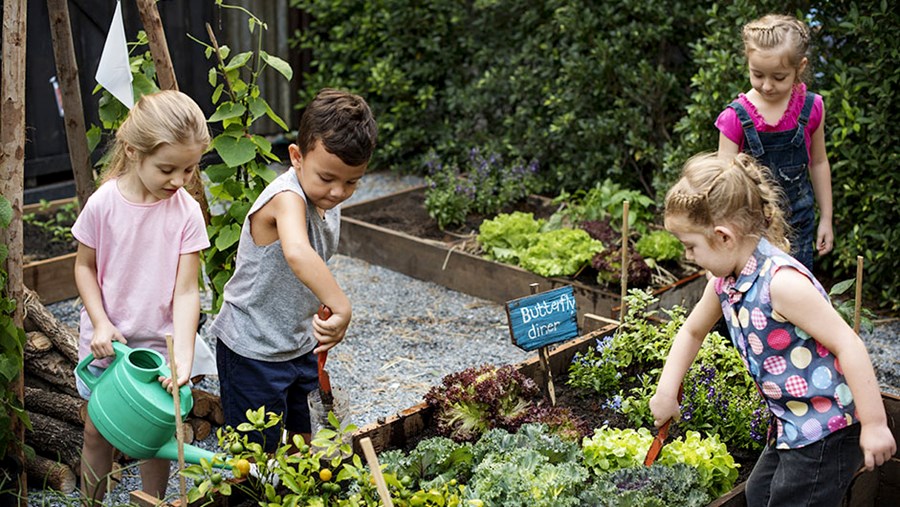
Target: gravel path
(407,334)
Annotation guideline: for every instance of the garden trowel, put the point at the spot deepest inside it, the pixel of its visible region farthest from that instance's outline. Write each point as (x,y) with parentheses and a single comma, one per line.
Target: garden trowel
(324,379)
(661,436)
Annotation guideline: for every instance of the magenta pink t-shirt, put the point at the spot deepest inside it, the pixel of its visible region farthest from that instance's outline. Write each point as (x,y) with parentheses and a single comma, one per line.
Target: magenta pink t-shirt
(729,124)
(138,247)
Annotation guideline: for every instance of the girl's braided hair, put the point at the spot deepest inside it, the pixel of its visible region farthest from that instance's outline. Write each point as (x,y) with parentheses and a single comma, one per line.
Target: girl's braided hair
(735,191)
(776,31)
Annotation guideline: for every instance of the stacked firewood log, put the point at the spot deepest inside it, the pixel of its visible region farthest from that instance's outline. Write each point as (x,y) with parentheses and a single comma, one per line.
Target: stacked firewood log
(57,412)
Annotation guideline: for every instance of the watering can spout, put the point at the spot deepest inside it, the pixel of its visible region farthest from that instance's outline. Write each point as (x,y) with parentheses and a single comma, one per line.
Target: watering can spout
(192,454)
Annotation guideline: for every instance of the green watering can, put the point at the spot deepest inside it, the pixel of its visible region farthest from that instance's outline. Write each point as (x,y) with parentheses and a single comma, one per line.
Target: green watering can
(132,410)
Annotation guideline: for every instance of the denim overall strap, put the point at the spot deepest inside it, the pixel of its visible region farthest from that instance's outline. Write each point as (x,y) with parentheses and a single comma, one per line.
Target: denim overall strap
(803,120)
(750,134)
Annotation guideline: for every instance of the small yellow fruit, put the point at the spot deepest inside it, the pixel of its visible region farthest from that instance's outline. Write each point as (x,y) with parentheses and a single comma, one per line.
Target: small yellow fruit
(325,475)
(241,468)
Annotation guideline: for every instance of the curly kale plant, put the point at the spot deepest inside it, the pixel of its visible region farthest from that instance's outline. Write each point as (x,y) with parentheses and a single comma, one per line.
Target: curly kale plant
(654,486)
(477,399)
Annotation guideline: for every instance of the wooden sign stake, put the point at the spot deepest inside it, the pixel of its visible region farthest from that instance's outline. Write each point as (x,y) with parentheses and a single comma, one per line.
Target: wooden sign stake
(544,357)
(858,306)
(179,427)
(625,258)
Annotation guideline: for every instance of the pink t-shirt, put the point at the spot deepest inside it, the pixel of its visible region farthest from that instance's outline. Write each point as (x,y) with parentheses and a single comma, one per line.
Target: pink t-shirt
(729,124)
(138,247)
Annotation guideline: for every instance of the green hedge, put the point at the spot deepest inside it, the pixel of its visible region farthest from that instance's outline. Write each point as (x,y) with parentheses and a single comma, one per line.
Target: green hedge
(622,90)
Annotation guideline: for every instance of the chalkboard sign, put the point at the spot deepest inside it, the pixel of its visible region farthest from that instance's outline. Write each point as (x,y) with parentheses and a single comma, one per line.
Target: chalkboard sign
(543,319)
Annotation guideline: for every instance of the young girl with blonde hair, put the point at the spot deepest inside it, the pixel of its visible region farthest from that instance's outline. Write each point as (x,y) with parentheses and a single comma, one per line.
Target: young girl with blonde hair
(138,260)
(808,364)
(781,124)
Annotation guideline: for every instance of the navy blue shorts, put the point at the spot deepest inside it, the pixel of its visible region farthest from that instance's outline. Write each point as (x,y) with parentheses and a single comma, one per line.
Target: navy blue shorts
(282,387)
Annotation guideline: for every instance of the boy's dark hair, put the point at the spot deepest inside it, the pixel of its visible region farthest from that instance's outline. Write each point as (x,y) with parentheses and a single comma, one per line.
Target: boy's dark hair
(343,122)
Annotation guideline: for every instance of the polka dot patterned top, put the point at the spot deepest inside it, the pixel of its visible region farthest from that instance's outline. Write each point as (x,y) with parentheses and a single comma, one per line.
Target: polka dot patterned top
(800,379)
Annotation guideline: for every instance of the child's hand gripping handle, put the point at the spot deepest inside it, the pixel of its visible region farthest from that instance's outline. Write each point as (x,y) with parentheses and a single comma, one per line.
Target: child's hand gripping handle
(324,381)
(661,436)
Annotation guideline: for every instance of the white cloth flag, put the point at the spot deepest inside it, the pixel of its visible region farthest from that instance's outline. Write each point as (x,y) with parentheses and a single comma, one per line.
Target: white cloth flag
(114,72)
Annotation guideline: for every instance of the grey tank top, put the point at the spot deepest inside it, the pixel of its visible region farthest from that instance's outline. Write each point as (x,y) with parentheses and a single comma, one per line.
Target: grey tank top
(267,312)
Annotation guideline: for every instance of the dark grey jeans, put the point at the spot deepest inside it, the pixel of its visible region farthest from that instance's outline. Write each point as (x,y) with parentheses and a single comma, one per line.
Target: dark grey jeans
(816,475)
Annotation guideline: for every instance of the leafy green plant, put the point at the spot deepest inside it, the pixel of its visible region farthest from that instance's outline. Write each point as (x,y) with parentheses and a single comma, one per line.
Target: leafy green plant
(658,246)
(653,486)
(560,252)
(611,449)
(237,181)
(433,463)
(604,201)
(12,343)
(508,235)
(847,307)
(470,402)
(485,186)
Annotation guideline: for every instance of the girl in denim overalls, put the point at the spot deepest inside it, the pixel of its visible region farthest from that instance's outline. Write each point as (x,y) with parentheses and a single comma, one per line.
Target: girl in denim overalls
(782,126)
(809,365)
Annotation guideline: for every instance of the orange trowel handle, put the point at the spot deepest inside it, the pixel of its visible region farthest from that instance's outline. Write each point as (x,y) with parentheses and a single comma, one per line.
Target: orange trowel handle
(324,381)
(661,436)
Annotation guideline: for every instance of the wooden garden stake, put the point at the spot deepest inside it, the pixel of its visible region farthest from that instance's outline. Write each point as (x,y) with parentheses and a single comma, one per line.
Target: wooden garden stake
(67,71)
(544,357)
(165,72)
(624,280)
(372,460)
(858,307)
(179,427)
(12,184)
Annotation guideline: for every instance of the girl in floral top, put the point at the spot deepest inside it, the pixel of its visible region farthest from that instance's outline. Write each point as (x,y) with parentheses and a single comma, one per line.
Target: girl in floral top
(811,368)
(781,124)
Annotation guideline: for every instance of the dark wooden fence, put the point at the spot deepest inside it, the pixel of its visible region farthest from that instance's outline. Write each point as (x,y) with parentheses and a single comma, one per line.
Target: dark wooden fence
(48,173)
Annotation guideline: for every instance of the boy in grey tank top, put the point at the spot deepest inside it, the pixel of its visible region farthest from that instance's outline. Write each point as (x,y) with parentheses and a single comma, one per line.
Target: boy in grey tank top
(268,331)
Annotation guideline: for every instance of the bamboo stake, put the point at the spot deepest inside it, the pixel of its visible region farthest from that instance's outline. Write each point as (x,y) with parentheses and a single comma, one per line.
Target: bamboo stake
(12,184)
(179,427)
(625,257)
(372,460)
(67,70)
(858,307)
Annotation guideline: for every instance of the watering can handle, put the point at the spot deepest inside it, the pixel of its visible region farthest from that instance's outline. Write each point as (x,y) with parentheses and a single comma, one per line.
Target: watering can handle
(89,379)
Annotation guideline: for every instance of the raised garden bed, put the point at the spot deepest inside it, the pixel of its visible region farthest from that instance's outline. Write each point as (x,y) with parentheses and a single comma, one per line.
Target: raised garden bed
(879,487)
(49,268)
(396,232)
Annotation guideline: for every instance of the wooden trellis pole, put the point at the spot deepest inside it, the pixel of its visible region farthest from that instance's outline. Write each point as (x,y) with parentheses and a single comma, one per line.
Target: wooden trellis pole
(165,72)
(67,72)
(12,179)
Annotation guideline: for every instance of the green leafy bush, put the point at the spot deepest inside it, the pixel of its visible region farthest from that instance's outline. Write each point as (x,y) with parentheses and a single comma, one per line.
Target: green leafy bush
(604,201)
(12,350)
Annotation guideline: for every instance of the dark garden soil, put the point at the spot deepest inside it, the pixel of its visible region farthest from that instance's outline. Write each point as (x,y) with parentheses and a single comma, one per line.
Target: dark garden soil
(40,242)
(405,212)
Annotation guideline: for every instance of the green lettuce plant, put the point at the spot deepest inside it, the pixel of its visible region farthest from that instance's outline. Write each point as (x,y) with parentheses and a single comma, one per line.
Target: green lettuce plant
(560,252)
(505,237)
(659,246)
